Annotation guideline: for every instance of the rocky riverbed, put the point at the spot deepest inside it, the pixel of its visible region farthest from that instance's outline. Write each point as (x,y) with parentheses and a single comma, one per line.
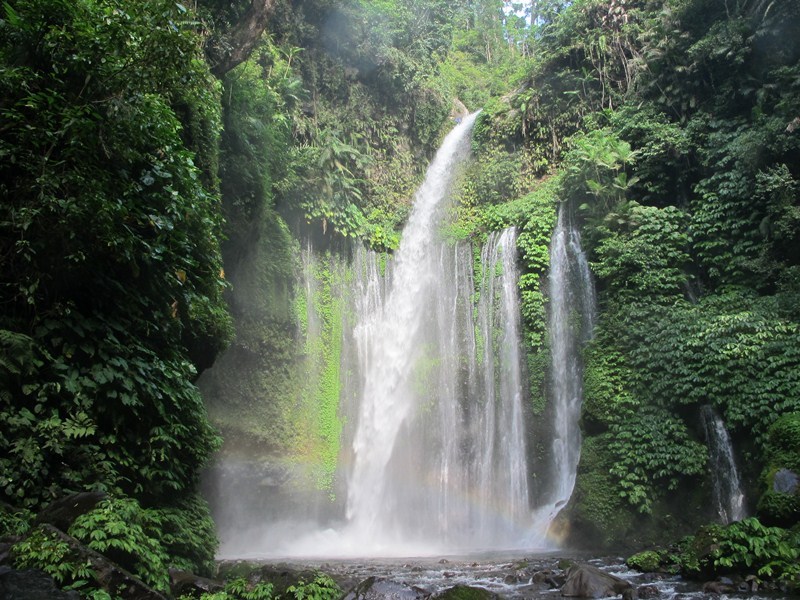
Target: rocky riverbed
(503,576)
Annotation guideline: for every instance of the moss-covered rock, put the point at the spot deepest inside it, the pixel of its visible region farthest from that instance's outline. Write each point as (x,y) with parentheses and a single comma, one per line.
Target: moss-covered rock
(780,501)
(464,592)
(600,518)
(599,515)
(648,561)
(776,508)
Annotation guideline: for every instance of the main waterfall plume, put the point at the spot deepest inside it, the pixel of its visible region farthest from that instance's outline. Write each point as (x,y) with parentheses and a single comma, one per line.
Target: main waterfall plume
(439,448)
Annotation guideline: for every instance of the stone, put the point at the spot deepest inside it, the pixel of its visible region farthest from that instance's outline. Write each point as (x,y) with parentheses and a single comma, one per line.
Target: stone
(5,552)
(465,592)
(717,588)
(361,589)
(752,583)
(186,583)
(647,591)
(31,585)
(62,512)
(630,594)
(540,576)
(586,581)
(785,481)
(550,577)
(458,109)
(373,588)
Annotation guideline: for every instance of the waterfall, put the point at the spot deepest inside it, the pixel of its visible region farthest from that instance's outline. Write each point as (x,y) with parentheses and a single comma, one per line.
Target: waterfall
(571,313)
(727,490)
(433,454)
(393,347)
(439,459)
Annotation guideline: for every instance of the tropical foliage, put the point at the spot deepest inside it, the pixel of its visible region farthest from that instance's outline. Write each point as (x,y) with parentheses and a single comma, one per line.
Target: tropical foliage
(128,173)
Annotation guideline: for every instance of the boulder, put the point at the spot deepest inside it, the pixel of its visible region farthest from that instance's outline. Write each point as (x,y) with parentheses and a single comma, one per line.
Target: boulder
(647,591)
(31,585)
(373,588)
(552,578)
(718,587)
(62,512)
(586,581)
(785,482)
(458,109)
(186,583)
(465,592)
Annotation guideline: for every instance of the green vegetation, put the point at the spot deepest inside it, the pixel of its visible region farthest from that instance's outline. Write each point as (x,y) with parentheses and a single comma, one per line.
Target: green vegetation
(696,295)
(146,542)
(668,127)
(111,274)
(129,175)
(743,548)
(779,504)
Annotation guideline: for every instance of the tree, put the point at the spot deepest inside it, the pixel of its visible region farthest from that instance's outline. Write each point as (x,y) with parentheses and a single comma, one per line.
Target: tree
(110,273)
(234,46)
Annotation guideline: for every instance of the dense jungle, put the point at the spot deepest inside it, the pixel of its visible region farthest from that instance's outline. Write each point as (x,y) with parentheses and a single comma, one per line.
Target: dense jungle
(169,170)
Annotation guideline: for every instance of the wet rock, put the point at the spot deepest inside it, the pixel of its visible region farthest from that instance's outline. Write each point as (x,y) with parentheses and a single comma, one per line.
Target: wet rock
(554,579)
(186,583)
(31,585)
(647,591)
(5,552)
(281,576)
(630,594)
(718,587)
(785,481)
(586,581)
(361,589)
(62,512)
(373,588)
(465,592)
(752,583)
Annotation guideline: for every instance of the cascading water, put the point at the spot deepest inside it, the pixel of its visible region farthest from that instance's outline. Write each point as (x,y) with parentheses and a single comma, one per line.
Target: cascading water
(439,448)
(727,490)
(570,322)
(434,455)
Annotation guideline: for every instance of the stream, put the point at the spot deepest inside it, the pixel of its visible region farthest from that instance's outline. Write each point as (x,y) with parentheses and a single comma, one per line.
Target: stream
(507,575)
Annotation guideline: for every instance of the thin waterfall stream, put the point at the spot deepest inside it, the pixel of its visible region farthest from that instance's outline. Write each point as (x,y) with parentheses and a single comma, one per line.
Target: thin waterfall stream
(571,313)
(726,487)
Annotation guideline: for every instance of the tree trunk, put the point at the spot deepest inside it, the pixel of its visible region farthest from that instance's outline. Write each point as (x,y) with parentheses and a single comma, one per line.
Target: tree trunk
(239,42)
